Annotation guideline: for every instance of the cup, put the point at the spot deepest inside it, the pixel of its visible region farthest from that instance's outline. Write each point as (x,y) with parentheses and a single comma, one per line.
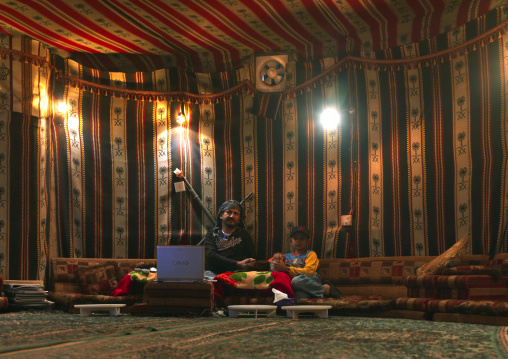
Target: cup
(272,267)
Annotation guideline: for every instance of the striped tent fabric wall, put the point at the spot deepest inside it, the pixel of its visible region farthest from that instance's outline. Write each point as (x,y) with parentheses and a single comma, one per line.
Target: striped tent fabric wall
(24,161)
(440,175)
(420,162)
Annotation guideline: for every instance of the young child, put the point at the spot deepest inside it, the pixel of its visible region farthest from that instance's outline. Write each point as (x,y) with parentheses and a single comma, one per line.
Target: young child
(301,266)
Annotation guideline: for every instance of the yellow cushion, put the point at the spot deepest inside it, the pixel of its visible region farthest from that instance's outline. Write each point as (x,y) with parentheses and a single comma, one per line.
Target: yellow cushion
(451,258)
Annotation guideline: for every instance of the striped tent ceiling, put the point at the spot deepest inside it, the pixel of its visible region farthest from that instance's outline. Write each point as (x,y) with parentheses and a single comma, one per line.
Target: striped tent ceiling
(218,35)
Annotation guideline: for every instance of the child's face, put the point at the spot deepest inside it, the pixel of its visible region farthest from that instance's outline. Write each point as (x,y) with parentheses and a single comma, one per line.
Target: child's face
(299,242)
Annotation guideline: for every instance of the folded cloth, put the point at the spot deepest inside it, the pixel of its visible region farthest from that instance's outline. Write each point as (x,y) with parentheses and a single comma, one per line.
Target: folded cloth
(334,292)
(141,276)
(255,281)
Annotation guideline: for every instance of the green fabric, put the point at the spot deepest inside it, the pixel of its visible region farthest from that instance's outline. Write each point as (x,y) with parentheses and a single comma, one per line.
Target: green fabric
(139,276)
(252,280)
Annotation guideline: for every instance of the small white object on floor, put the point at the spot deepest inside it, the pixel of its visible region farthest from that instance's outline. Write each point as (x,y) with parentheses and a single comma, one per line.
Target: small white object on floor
(294,310)
(252,308)
(87,309)
(278,295)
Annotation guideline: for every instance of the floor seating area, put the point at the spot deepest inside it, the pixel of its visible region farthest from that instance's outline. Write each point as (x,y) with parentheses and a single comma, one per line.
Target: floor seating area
(92,281)
(474,291)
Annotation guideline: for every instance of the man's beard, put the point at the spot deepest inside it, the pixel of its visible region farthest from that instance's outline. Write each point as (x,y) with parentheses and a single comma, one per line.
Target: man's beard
(230,223)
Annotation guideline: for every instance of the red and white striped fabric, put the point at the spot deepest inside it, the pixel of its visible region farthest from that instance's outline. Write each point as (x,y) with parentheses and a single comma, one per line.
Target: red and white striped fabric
(216,35)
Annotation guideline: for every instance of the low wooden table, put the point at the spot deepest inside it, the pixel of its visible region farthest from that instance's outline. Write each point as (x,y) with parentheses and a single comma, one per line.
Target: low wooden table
(179,297)
(87,309)
(294,310)
(252,308)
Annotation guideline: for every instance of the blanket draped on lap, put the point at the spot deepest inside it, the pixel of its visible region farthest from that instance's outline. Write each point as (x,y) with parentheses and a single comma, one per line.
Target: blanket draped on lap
(123,288)
(255,281)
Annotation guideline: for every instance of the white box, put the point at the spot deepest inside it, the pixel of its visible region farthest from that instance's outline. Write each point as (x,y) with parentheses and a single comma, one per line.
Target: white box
(346,220)
(179,186)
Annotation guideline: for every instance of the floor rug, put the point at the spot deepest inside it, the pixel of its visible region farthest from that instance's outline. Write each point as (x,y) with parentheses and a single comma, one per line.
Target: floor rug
(36,334)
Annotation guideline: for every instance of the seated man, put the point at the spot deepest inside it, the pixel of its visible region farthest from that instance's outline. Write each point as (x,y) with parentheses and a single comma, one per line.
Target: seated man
(228,246)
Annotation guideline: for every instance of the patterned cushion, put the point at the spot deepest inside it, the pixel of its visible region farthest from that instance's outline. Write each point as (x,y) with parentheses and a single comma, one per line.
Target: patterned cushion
(450,258)
(101,279)
(125,267)
(406,303)
(470,270)
(401,269)
(479,307)
(421,286)
(64,278)
(64,270)
(367,271)
(467,287)
(500,262)
(471,287)
(65,287)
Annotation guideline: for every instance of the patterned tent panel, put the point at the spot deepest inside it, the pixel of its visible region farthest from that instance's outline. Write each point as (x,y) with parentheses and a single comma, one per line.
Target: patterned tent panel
(421,161)
(215,35)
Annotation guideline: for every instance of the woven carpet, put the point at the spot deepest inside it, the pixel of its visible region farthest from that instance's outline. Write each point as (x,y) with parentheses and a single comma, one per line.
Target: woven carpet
(35,334)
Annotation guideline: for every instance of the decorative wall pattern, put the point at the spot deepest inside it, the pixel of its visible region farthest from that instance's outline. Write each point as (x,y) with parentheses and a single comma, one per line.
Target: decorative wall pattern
(416,125)
(422,161)
(375,158)
(462,134)
(290,162)
(332,163)
(163,175)
(249,137)
(502,226)
(207,148)
(24,198)
(120,194)
(5,162)
(75,164)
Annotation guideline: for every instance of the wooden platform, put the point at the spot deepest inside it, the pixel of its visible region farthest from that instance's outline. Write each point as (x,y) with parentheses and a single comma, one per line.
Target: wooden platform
(87,309)
(294,310)
(252,308)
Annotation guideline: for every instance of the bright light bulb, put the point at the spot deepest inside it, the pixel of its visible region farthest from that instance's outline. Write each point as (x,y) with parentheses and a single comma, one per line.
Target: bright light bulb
(62,107)
(180,118)
(330,118)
